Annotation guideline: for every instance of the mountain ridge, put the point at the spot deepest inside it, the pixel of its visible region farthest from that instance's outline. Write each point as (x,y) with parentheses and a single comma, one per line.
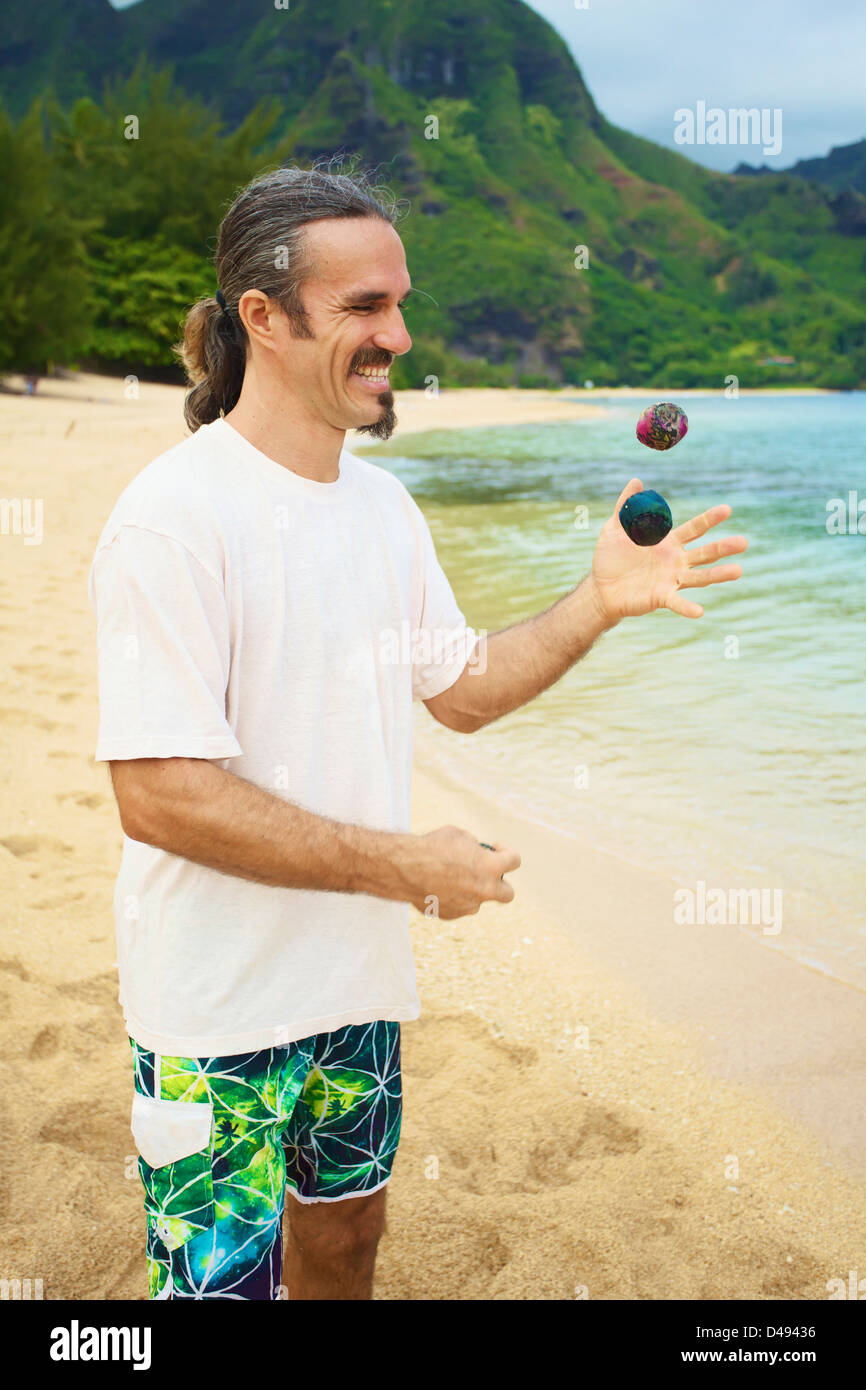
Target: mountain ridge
(843,169)
(690,272)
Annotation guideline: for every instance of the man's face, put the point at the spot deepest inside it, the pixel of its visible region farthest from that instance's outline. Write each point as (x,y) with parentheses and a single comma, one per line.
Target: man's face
(353,298)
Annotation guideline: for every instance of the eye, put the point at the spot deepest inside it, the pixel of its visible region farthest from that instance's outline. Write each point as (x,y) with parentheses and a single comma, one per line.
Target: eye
(372,308)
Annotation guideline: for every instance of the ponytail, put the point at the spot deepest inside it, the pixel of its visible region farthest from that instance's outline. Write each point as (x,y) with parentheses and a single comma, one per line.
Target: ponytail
(213,354)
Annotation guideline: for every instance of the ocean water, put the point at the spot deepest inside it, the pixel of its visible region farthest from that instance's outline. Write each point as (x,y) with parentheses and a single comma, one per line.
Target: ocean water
(730,750)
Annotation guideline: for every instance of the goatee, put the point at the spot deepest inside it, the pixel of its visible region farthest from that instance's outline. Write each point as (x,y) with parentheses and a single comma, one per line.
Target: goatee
(384,427)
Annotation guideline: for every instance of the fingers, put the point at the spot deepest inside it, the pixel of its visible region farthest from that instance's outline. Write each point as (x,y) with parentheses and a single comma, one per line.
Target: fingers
(720,575)
(508,859)
(503,861)
(686,609)
(504,892)
(635,485)
(700,525)
(706,554)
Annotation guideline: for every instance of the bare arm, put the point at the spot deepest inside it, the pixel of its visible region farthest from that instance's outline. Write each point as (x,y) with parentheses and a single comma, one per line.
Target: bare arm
(522,661)
(190,808)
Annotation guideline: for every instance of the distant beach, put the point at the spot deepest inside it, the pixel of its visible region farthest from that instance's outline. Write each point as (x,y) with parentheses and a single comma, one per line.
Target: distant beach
(600,1102)
(477,407)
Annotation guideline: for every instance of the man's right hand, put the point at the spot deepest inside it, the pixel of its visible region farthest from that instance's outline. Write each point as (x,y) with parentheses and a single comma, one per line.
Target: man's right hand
(189,807)
(453,875)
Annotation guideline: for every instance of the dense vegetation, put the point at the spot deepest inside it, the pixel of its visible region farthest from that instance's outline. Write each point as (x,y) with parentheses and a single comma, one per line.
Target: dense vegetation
(691,276)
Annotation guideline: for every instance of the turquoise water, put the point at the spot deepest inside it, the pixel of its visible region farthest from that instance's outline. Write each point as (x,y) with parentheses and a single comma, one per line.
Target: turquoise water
(741,771)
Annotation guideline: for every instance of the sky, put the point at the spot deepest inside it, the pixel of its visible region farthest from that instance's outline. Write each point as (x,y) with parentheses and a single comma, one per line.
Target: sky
(643,60)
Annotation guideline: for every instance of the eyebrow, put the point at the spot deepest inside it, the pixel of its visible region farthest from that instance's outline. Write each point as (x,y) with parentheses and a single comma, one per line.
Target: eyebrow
(373,296)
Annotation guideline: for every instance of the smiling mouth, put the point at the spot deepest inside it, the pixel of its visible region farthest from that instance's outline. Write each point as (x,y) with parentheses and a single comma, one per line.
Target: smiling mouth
(373,378)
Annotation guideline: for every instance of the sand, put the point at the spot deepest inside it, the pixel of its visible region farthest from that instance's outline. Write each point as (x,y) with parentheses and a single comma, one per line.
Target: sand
(595,1106)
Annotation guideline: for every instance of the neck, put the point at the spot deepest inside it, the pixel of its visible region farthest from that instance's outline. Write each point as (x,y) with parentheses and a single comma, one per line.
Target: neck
(279,425)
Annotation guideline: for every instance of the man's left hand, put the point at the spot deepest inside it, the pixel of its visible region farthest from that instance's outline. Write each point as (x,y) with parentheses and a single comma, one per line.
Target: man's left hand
(630,579)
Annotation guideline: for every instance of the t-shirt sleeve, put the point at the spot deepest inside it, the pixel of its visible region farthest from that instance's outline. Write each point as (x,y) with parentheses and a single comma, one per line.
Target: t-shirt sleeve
(163,651)
(442,641)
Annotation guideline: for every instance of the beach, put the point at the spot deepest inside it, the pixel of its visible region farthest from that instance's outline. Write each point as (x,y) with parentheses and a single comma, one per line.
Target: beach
(599,1103)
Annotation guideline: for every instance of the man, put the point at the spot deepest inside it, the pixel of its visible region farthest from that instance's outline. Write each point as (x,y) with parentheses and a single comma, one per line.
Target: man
(248,586)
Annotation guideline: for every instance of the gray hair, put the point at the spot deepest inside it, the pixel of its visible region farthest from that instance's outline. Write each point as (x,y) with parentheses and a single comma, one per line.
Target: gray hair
(261,245)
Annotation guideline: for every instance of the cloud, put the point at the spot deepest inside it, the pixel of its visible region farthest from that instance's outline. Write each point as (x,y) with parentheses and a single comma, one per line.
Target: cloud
(644,61)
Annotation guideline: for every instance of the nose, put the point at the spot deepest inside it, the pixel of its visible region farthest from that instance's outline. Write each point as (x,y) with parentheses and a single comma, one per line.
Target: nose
(393,337)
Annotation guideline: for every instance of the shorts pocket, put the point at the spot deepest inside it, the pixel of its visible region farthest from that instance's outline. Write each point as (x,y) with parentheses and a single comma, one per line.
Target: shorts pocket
(175,1141)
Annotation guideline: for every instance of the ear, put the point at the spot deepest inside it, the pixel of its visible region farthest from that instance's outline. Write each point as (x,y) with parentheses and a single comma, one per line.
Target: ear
(258,313)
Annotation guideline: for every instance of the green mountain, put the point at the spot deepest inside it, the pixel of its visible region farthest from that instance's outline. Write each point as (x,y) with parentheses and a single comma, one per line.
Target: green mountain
(843,169)
(476,113)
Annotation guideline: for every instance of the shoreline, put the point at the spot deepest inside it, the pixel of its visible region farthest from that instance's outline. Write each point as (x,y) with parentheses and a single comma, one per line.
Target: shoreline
(600,842)
(536,1158)
(735,995)
(603,1149)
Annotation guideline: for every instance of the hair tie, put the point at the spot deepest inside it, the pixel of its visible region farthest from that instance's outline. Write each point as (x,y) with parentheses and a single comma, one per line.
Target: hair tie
(221,301)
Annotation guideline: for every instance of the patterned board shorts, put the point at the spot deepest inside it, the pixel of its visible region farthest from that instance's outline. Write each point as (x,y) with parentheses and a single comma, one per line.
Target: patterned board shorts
(220,1139)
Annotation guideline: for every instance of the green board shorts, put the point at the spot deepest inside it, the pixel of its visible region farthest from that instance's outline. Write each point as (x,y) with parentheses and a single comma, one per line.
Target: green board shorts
(221,1138)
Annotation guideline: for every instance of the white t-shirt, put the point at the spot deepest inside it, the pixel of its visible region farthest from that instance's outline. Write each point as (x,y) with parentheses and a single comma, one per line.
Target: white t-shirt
(280,628)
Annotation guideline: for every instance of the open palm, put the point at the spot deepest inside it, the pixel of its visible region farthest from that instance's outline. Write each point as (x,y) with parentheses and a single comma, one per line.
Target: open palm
(633,579)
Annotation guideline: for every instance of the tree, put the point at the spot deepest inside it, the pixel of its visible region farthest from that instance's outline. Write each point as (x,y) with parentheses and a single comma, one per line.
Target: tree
(45,302)
(153,171)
